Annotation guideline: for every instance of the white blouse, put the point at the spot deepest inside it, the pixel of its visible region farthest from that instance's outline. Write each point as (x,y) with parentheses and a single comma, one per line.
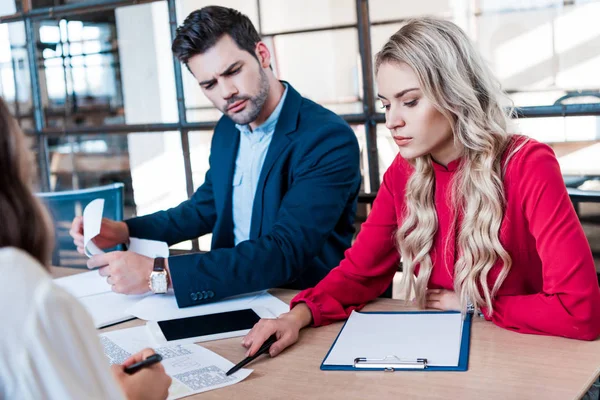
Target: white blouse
(49,348)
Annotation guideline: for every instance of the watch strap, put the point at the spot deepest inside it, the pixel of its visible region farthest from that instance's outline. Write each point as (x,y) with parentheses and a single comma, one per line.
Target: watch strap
(159,264)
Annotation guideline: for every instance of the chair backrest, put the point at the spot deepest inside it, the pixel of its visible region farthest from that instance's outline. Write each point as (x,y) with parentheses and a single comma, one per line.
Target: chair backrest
(65,206)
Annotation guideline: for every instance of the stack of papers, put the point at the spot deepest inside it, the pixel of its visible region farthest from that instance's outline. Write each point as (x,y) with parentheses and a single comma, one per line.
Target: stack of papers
(105,306)
(193,368)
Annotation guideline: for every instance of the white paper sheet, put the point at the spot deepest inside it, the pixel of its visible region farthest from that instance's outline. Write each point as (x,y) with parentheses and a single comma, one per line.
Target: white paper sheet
(84,284)
(109,308)
(433,336)
(92,291)
(193,368)
(149,248)
(163,307)
(92,221)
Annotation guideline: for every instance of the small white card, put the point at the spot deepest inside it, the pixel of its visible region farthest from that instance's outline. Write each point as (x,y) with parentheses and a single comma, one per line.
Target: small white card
(92,223)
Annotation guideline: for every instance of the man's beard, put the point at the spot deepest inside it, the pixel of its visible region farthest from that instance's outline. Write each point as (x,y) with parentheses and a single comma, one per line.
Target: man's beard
(255,104)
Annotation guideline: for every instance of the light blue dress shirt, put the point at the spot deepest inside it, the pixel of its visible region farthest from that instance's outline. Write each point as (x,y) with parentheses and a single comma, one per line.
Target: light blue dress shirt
(248,164)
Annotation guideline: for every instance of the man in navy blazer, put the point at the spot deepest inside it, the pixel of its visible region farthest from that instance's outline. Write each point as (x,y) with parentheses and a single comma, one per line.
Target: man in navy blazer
(280,195)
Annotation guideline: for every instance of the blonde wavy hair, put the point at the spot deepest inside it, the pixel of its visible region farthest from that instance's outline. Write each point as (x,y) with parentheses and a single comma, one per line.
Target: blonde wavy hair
(455,78)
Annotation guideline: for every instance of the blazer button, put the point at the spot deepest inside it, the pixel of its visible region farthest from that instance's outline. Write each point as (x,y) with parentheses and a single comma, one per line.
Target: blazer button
(199,295)
(194,296)
(204,295)
(210,294)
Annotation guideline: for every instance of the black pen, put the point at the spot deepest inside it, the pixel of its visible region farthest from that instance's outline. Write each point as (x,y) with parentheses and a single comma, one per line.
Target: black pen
(153,359)
(263,349)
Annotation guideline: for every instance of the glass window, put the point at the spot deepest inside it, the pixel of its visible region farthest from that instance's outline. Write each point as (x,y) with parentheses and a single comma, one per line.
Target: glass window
(26,124)
(244,6)
(540,50)
(574,139)
(199,153)
(149,164)
(559,129)
(386,149)
(283,16)
(32,143)
(109,67)
(385,10)
(359,130)
(380,34)
(331,76)
(542,54)
(8,7)
(15,84)
(158,173)
(494,6)
(78,162)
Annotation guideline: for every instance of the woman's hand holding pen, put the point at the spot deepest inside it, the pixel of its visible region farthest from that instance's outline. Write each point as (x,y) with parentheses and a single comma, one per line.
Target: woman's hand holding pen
(148,383)
(286,328)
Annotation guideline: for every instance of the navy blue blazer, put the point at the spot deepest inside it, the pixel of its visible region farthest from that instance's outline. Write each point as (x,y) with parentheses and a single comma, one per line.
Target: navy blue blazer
(302,216)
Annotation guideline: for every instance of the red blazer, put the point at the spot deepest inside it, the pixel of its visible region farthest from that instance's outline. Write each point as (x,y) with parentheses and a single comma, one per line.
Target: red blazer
(552,288)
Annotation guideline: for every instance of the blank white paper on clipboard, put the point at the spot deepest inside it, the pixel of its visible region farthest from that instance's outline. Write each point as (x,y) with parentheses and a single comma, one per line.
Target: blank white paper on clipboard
(407,336)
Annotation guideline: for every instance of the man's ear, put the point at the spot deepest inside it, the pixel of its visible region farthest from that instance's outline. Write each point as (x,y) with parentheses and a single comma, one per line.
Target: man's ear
(263,54)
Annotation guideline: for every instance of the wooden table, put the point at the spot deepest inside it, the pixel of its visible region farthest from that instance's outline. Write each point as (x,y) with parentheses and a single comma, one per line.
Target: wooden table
(502,365)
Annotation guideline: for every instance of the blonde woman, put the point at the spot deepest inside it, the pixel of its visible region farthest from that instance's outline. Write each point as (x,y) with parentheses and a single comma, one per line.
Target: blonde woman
(479,216)
(49,348)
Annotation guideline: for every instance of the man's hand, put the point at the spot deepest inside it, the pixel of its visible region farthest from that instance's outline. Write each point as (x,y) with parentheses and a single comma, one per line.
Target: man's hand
(442,299)
(112,233)
(126,272)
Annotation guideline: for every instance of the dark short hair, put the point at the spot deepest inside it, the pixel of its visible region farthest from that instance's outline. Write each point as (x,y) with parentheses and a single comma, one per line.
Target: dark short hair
(204,27)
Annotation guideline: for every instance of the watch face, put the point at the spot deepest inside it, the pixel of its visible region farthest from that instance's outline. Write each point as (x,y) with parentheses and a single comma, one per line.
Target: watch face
(158,282)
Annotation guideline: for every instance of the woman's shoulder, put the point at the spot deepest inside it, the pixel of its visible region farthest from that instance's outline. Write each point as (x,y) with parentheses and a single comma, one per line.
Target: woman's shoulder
(28,286)
(523,149)
(529,164)
(19,269)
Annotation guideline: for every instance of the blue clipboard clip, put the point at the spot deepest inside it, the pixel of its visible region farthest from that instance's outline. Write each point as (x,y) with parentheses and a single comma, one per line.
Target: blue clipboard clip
(390,363)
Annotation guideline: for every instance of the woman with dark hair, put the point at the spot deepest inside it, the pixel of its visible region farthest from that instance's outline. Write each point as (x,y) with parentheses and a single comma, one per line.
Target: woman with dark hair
(49,347)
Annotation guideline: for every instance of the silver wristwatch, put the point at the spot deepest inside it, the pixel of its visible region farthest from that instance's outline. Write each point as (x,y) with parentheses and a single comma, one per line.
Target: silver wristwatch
(158,277)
